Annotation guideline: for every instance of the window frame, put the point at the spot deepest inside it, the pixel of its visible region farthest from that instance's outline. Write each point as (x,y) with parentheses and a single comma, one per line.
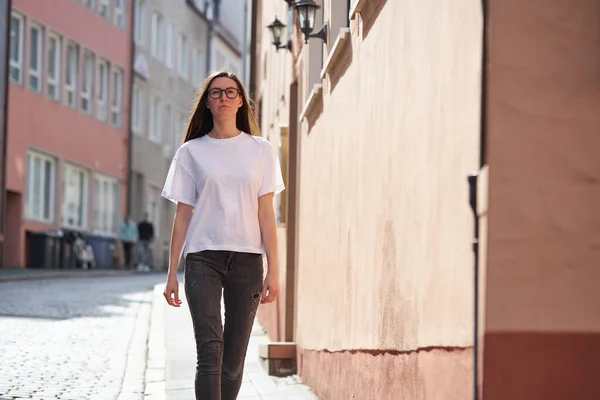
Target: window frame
(137,99)
(112,211)
(119,14)
(30,184)
(84,94)
(39,72)
(155,128)
(54,81)
(105,5)
(117,96)
(67,167)
(139,22)
(169,46)
(103,88)
(156,38)
(182,68)
(72,88)
(17,65)
(168,136)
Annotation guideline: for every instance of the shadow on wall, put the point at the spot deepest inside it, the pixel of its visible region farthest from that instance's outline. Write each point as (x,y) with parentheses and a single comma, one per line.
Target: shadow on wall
(369,15)
(338,70)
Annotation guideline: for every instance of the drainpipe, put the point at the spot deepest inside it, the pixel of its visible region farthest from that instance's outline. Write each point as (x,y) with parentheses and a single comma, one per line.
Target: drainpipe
(244,44)
(4,135)
(129,102)
(472,179)
(253,49)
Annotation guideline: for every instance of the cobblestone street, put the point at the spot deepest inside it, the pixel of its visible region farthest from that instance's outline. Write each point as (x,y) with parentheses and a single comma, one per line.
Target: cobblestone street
(75,338)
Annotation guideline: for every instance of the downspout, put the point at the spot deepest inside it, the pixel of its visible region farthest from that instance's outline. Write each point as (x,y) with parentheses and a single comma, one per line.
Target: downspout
(129,102)
(253,48)
(472,178)
(244,44)
(4,138)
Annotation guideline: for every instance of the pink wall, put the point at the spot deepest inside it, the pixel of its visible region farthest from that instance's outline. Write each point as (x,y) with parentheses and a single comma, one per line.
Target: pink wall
(68,134)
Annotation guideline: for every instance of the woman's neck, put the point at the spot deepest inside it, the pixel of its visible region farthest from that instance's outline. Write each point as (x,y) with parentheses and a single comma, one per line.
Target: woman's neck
(224,130)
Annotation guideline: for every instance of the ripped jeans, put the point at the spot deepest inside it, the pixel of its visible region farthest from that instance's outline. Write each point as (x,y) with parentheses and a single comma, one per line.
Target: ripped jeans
(221,352)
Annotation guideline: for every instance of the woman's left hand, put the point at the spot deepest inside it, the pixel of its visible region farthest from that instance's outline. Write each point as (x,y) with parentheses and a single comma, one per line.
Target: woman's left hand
(270,288)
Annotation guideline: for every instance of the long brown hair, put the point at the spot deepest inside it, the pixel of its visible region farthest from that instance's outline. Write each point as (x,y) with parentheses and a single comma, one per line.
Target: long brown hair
(201,122)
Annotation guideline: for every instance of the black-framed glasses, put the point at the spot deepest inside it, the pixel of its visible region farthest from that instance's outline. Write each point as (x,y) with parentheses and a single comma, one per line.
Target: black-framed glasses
(216,93)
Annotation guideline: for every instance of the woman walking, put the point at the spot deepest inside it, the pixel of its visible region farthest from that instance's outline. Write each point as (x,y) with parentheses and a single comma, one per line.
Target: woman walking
(223,179)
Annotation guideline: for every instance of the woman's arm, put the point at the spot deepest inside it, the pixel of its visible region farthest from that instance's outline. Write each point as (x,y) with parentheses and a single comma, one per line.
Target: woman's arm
(268,231)
(181,222)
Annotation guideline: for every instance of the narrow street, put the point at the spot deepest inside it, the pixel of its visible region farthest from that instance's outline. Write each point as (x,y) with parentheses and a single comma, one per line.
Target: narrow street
(110,338)
(74,338)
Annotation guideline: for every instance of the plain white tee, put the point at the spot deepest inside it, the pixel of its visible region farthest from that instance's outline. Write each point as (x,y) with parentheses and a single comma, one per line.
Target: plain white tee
(223,179)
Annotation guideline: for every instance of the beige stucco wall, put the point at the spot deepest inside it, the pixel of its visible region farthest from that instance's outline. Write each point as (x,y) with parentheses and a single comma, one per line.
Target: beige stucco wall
(385,257)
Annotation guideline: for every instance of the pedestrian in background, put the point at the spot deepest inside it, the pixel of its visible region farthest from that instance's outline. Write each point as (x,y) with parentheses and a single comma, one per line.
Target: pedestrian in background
(128,235)
(223,179)
(145,237)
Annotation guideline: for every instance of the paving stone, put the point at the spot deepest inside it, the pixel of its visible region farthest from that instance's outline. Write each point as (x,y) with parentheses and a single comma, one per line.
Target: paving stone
(74,338)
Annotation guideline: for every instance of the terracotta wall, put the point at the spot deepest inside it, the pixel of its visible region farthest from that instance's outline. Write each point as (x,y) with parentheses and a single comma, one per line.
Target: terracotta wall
(36,122)
(542,302)
(385,273)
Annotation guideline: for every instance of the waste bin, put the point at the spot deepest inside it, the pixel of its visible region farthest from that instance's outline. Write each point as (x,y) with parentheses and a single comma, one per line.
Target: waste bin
(43,249)
(104,250)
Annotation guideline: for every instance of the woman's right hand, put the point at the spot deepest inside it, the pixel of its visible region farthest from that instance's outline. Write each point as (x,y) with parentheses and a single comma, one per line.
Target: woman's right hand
(171,292)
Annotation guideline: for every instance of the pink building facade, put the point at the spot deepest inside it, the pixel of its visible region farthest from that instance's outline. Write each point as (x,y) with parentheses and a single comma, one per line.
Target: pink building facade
(68,119)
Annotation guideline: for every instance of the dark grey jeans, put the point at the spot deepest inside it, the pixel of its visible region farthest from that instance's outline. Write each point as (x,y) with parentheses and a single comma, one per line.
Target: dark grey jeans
(221,352)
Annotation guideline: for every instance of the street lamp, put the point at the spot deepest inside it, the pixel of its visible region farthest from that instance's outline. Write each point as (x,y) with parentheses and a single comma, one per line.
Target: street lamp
(276,29)
(306,10)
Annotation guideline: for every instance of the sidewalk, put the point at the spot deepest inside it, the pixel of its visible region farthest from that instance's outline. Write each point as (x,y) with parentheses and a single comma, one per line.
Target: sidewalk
(172,360)
(20,274)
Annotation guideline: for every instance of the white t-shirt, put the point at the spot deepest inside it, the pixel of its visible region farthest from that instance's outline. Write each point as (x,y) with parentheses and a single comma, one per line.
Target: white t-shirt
(223,179)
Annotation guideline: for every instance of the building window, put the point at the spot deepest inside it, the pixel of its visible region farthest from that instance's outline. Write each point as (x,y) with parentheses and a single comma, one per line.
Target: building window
(91,4)
(105,9)
(40,187)
(137,101)
(119,14)
(36,51)
(117,99)
(181,130)
(220,60)
(169,46)
(182,56)
(87,86)
(155,119)
(153,207)
(196,68)
(71,75)
(75,197)
(101,103)
(54,56)
(156,38)
(138,21)
(106,204)
(168,139)
(16,48)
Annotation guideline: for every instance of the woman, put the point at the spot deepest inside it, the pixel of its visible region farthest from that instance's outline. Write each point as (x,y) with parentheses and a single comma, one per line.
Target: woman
(223,179)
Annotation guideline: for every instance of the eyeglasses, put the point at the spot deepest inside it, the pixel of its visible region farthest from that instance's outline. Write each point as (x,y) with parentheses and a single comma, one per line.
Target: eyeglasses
(216,93)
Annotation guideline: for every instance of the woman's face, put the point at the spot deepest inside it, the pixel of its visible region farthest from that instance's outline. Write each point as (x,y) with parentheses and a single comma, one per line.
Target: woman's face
(224,98)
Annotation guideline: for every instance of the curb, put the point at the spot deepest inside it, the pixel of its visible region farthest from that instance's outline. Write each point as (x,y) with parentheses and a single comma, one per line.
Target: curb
(68,274)
(132,385)
(155,376)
